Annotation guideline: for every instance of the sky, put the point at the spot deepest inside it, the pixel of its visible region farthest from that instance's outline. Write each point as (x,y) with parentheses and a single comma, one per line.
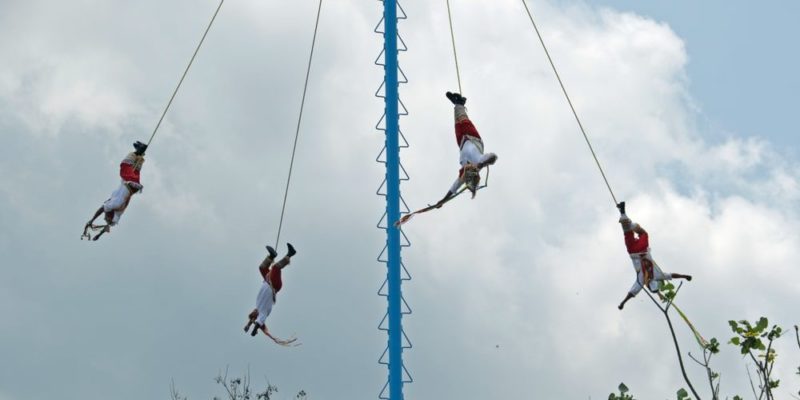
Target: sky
(513,294)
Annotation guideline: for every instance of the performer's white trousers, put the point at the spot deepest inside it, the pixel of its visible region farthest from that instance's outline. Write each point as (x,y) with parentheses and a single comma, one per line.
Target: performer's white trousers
(470,153)
(658,277)
(116,203)
(264,302)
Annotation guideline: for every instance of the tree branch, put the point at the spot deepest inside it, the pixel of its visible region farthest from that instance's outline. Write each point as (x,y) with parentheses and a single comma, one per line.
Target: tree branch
(761,383)
(695,360)
(647,292)
(707,358)
(669,303)
(173,392)
(680,359)
(665,311)
(768,365)
(704,364)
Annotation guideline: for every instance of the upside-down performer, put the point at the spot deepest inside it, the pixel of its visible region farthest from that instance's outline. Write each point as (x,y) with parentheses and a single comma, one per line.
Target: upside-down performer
(471,158)
(130,172)
(267,295)
(647,271)
(470,146)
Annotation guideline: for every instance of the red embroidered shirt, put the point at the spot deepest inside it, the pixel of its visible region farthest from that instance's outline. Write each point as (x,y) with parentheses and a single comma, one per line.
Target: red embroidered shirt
(635,245)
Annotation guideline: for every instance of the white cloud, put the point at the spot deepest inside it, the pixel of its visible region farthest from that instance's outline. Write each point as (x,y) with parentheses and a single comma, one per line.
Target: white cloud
(515,289)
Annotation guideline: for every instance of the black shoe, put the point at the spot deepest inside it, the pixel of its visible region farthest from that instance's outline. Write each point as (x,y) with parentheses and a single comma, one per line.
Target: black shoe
(140,147)
(272,252)
(456,98)
(621,207)
(255,329)
(291,251)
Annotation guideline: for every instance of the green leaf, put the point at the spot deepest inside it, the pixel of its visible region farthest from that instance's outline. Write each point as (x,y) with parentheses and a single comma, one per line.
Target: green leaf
(762,324)
(734,341)
(745,323)
(682,394)
(622,388)
(713,346)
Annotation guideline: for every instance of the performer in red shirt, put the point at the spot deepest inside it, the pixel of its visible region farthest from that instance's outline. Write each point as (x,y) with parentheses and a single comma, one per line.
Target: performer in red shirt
(130,173)
(647,271)
(470,145)
(267,295)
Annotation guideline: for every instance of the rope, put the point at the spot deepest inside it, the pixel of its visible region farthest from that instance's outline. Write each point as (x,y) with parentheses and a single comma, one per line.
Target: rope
(184,73)
(299,119)
(575,113)
(453,40)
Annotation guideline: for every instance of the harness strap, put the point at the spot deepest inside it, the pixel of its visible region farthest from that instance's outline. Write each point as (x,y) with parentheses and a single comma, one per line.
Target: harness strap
(475,140)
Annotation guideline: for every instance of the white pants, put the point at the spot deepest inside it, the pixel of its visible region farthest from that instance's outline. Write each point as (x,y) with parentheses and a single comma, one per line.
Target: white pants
(264,302)
(117,202)
(655,282)
(470,153)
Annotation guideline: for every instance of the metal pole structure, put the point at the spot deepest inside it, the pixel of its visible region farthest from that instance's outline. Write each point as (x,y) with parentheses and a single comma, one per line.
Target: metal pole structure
(393,200)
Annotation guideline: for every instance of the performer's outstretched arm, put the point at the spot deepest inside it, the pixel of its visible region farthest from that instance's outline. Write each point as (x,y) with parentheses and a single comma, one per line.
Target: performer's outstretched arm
(441,202)
(451,192)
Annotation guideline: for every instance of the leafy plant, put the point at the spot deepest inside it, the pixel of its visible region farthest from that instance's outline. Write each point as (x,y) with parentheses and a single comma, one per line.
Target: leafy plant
(623,394)
(756,338)
(238,388)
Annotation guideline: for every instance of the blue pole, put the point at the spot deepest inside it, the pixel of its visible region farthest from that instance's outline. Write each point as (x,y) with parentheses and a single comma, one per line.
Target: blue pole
(393,200)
